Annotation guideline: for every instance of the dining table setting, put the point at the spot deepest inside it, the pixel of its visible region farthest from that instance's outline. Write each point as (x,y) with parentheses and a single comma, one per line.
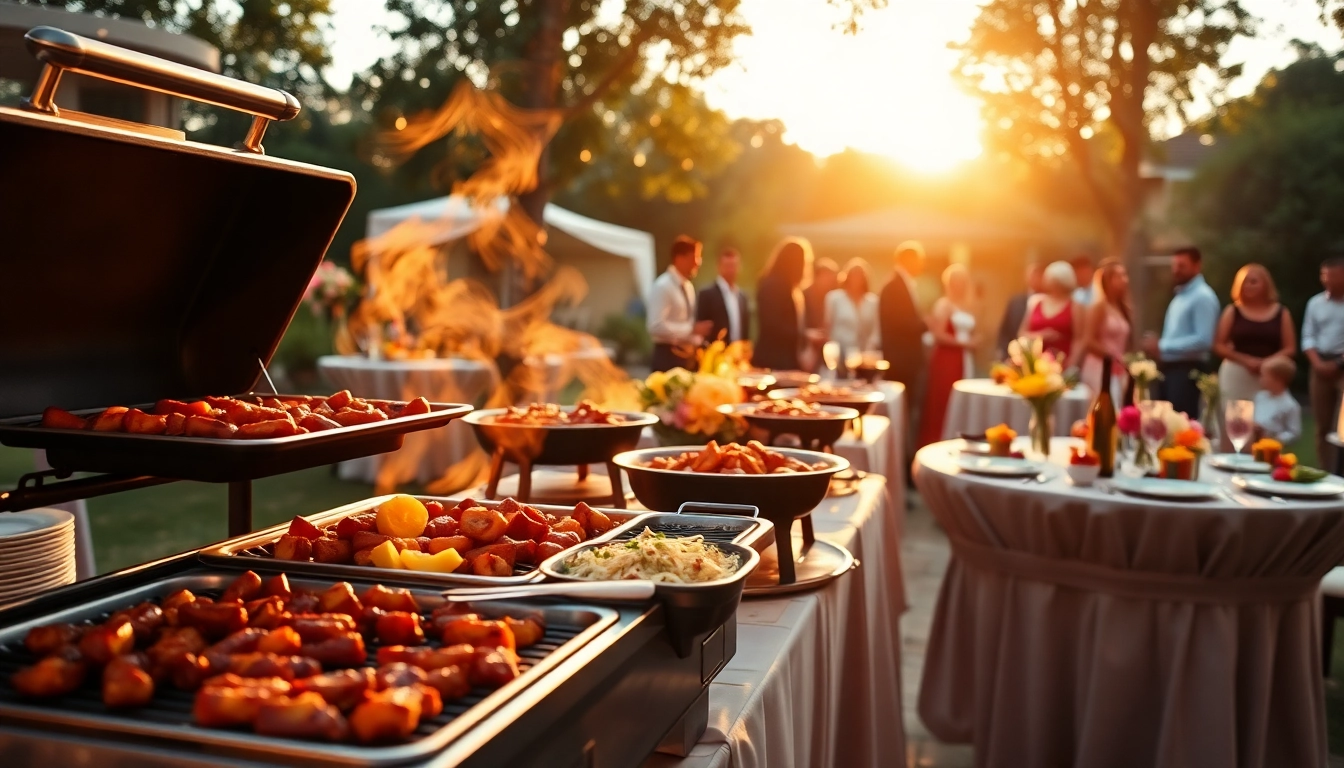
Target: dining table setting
(1090,621)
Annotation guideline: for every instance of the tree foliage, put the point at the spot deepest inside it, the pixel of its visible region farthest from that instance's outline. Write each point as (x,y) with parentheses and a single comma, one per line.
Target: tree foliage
(1087,79)
(1273,191)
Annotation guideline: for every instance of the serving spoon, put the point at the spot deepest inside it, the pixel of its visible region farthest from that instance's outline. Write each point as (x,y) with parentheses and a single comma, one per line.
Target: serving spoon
(624,589)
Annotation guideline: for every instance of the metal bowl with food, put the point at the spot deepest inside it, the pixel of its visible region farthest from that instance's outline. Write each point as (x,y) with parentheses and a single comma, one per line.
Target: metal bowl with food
(816,426)
(849,393)
(782,497)
(553,438)
(699,582)
(760,382)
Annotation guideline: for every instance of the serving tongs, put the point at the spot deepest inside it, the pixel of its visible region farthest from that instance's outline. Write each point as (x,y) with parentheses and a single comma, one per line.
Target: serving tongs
(625,589)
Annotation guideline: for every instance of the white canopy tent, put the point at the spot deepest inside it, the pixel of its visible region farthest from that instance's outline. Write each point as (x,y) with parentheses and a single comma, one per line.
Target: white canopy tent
(456,217)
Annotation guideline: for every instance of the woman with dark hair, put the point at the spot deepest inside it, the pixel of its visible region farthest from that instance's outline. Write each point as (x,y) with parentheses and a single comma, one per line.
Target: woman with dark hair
(1107,329)
(779,306)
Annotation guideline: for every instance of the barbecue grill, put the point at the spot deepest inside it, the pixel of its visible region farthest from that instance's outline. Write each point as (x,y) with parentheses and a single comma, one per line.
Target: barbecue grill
(142,266)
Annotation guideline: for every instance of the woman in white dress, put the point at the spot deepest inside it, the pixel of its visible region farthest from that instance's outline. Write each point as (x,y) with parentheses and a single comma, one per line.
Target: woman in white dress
(851,312)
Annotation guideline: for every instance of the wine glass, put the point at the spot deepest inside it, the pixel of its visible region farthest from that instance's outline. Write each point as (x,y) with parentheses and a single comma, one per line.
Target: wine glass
(830,355)
(1153,423)
(853,361)
(1240,416)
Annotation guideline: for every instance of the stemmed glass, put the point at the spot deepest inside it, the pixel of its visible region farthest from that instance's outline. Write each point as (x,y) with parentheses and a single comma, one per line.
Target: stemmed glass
(1153,424)
(1240,415)
(830,355)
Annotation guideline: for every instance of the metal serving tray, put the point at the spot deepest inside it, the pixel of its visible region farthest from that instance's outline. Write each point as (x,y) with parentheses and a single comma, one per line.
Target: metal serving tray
(568,629)
(215,460)
(254,550)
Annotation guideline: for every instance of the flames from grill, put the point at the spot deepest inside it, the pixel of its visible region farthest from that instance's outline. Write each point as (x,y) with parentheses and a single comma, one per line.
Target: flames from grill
(514,354)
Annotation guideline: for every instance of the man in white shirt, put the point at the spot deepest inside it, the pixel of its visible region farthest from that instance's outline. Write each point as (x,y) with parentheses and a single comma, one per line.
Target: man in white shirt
(1323,344)
(1082,274)
(671,319)
(723,304)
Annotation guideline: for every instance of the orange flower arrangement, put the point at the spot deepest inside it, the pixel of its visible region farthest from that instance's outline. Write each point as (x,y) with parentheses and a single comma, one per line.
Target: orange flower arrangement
(1267,450)
(1177,463)
(1000,440)
(1189,439)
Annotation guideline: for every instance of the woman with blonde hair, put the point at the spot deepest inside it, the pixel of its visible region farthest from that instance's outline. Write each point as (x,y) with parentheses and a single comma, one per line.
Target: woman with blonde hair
(1255,326)
(851,311)
(1107,328)
(953,327)
(779,306)
(1053,316)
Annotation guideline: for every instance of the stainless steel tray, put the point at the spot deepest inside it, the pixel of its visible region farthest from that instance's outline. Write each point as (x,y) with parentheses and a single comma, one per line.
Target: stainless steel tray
(168,717)
(253,550)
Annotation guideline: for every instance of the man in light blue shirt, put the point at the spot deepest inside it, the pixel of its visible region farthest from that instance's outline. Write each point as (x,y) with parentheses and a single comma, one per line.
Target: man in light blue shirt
(1187,332)
(1323,344)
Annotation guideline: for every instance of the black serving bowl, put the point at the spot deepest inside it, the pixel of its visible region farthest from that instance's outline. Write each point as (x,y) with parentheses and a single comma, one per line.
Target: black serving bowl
(861,397)
(557,444)
(816,432)
(692,609)
(781,498)
(872,370)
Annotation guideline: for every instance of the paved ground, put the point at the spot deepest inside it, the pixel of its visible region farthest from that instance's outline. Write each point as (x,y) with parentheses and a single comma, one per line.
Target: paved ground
(924,554)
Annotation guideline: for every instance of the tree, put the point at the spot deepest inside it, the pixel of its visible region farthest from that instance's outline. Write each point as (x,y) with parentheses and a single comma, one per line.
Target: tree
(617,77)
(1087,80)
(1272,192)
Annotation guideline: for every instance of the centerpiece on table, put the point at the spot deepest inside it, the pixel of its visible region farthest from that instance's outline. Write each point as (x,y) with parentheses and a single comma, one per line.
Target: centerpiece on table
(686,402)
(1000,439)
(1143,372)
(1183,446)
(1210,398)
(1037,377)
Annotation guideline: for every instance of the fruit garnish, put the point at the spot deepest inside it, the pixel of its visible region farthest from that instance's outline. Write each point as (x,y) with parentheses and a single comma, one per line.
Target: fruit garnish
(402,516)
(1306,474)
(1000,434)
(1288,460)
(1282,474)
(1084,457)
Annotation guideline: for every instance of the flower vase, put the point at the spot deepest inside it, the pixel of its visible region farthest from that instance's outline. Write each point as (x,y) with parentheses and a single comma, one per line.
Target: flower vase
(1140,392)
(1210,420)
(1042,428)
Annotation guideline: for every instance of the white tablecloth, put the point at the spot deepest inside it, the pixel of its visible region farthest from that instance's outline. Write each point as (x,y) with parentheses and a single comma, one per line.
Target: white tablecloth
(816,679)
(1080,627)
(424,456)
(978,404)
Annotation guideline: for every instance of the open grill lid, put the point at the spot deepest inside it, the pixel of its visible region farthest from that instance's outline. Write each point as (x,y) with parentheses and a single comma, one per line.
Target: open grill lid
(135,265)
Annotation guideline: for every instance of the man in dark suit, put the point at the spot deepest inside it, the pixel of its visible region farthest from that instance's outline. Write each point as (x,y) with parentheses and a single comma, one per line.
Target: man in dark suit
(723,303)
(902,325)
(1017,309)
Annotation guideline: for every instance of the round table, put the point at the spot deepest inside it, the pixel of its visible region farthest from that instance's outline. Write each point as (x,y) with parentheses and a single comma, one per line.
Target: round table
(424,456)
(978,404)
(1081,626)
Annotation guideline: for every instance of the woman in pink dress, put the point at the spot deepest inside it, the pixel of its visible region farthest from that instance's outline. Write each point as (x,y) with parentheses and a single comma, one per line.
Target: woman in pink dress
(1107,329)
(954,334)
(1054,317)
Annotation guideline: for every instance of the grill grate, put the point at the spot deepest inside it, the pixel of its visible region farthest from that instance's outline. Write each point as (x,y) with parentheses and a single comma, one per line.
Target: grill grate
(171,706)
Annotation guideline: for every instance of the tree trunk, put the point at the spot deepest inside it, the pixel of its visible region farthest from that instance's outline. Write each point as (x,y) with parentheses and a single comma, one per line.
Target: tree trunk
(544,57)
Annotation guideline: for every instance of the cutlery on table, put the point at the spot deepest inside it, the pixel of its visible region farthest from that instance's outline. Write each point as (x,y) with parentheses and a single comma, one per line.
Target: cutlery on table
(625,589)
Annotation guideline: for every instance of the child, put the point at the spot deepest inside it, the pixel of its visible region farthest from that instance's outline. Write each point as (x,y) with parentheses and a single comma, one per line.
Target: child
(1277,414)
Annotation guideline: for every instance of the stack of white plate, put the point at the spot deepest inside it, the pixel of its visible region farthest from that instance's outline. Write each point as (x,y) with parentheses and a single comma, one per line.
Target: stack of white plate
(37,553)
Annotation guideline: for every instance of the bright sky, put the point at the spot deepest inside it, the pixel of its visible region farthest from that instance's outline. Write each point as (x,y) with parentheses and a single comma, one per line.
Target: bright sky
(887,90)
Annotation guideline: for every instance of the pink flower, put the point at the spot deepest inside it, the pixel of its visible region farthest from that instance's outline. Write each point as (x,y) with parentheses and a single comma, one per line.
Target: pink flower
(1196,426)
(1128,420)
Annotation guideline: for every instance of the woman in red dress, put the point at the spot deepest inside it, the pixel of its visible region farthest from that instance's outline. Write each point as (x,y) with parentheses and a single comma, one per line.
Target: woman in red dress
(1054,317)
(954,334)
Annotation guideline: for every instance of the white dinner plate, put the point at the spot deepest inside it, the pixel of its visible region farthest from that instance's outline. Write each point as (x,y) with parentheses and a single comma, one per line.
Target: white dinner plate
(16,570)
(1164,488)
(997,466)
(1266,486)
(12,550)
(55,580)
(16,526)
(1238,462)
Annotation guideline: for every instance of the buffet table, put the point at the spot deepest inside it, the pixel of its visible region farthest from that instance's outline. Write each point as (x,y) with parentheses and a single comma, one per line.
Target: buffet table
(816,679)
(1087,627)
(978,404)
(424,456)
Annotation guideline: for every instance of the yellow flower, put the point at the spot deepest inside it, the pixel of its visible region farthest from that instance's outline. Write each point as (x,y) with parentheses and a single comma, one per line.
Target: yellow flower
(657,384)
(1035,385)
(1176,453)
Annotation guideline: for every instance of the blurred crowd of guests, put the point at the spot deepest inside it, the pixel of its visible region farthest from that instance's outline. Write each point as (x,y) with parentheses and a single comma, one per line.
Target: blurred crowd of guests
(1081,312)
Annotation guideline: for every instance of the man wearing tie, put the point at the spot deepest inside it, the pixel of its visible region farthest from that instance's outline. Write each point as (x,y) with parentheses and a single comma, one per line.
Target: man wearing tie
(723,304)
(671,319)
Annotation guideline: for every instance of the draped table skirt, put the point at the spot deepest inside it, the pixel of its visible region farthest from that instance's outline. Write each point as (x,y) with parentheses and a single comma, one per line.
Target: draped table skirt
(1080,627)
